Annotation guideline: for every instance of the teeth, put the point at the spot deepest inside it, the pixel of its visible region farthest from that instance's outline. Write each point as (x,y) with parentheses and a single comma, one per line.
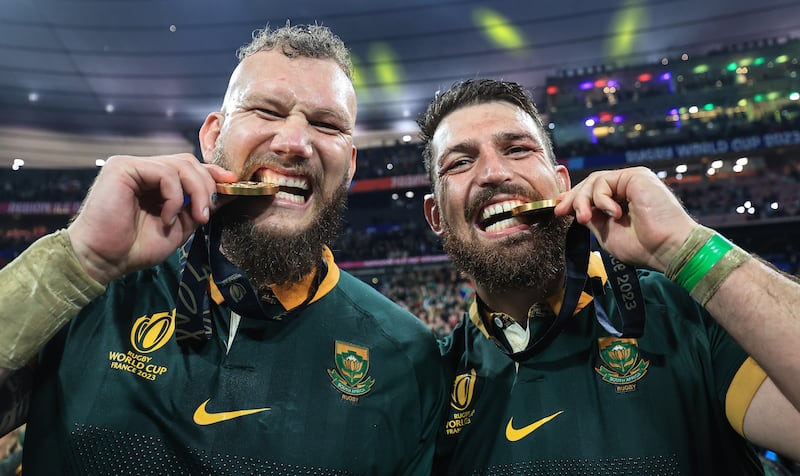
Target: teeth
(500,207)
(502,224)
(290,197)
(280,180)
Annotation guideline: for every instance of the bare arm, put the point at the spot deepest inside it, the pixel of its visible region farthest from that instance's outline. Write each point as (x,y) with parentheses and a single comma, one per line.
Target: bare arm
(760,308)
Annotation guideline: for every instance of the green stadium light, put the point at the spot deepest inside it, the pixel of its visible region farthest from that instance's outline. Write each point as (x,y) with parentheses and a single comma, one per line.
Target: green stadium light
(782,59)
(759,61)
(794,96)
(498,29)
(773,95)
(387,68)
(630,18)
(359,83)
(758,98)
(700,69)
(732,67)
(708,107)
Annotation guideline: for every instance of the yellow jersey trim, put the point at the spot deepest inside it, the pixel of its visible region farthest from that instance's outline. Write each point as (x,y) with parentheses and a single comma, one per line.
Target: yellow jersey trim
(291,296)
(743,387)
(479,314)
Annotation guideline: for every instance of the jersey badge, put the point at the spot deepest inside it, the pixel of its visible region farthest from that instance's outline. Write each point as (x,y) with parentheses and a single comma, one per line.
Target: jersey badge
(148,334)
(622,366)
(461,401)
(350,375)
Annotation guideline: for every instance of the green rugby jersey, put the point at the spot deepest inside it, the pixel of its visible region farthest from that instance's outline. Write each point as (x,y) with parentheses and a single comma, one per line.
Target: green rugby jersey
(591,404)
(351,385)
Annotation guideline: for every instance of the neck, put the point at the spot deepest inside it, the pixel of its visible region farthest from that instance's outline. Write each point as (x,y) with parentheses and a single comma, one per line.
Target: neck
(516,302)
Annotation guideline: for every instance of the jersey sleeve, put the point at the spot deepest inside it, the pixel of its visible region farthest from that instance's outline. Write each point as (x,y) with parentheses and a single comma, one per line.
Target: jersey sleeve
(743,387)
(737,375)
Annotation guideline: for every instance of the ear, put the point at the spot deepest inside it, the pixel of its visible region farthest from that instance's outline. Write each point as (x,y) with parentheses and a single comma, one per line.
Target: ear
(353,162)
(432,214)
(209,133)
(562,175)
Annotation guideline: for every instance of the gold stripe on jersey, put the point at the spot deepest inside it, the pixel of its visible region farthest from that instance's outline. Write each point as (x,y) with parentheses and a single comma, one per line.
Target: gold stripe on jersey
(741,391)
(478,314)
(291,296)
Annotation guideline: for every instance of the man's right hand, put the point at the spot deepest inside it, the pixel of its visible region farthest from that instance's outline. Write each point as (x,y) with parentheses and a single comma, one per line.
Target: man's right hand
(134,215)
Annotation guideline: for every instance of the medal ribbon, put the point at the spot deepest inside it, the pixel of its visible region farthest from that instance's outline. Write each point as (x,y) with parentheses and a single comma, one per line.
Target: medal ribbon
(201,260)
(577,264)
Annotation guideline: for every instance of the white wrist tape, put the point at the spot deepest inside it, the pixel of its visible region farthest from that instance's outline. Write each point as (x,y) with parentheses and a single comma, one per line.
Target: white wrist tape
(40,291)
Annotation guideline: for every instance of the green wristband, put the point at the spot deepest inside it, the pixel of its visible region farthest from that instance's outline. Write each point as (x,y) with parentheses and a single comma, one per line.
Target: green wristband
(698,266)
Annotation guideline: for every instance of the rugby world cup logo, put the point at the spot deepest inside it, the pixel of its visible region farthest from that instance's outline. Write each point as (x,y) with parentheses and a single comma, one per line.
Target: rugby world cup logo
(150,333)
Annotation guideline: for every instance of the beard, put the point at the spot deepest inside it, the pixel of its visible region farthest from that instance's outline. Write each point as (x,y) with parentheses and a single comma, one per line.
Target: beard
(531,260)
(272,255)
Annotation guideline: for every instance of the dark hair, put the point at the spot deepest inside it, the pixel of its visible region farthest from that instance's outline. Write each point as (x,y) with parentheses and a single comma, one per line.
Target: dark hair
(470,93)
(310,41)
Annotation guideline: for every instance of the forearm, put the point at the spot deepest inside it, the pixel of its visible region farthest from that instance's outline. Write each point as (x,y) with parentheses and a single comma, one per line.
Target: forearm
(39,292)
(760,307)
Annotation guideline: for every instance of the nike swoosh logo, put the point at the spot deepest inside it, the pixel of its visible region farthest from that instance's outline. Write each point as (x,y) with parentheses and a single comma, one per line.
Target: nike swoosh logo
(513,434)
(202,417)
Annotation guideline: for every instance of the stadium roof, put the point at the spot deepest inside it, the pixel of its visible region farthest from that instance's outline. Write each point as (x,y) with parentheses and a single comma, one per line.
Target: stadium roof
(157,67)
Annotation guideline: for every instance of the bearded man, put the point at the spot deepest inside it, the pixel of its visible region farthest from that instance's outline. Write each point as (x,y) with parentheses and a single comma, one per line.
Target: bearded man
(567,366)
(247,351)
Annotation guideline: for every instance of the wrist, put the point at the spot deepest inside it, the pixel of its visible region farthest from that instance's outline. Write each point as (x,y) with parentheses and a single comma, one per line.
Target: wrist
(95,267)
(703,262)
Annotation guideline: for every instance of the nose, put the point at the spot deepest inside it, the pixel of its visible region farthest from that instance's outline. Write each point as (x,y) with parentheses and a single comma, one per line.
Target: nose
(292,138)
(494,168)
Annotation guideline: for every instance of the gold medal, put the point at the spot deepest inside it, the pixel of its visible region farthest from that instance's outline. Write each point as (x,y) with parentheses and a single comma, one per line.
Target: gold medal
(534,208)
(247,188)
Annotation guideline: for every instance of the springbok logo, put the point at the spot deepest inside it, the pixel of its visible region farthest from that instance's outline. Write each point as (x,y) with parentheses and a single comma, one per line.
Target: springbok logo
(623,366)
(352,364)
(463,386)
(150,333)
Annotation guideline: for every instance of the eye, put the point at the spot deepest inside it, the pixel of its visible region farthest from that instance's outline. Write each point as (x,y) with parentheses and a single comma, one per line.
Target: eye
(326,126)
(517,149)
(456,165)
(269,112)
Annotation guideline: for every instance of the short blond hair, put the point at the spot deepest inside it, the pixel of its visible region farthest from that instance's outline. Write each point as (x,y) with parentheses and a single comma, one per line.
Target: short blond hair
(310,41)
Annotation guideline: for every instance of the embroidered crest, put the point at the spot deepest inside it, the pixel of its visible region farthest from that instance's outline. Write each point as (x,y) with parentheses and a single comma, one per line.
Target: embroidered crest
(622,365)
(350,375)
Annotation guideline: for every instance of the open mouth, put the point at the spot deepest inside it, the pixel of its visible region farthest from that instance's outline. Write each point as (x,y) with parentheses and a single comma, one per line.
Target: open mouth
(498,216)
(291,188)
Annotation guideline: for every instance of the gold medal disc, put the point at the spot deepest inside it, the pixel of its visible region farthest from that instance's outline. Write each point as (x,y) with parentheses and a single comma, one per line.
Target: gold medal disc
(533,208)
(247,188)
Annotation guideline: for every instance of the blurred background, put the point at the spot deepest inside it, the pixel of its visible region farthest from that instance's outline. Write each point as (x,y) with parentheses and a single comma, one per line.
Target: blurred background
(704,92)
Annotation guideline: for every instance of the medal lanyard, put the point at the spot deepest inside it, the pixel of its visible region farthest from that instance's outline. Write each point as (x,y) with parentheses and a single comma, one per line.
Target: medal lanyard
(200,260)
(623,280)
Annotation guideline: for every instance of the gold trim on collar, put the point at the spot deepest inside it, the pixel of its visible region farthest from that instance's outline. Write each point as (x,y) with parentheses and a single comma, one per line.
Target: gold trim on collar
(480,314)
(291,296)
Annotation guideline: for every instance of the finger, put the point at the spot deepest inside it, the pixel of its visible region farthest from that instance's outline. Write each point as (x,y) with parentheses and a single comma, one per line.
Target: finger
(197,188)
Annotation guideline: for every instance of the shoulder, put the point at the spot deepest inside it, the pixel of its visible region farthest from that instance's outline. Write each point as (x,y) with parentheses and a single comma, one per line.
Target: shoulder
(370,302)
(396,323)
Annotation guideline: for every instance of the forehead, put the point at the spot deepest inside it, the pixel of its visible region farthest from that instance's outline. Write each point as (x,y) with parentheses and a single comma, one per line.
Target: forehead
(313,82)
(482,122)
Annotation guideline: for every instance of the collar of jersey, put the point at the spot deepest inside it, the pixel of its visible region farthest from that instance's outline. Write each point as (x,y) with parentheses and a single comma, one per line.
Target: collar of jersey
(480,314)
(292,295)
